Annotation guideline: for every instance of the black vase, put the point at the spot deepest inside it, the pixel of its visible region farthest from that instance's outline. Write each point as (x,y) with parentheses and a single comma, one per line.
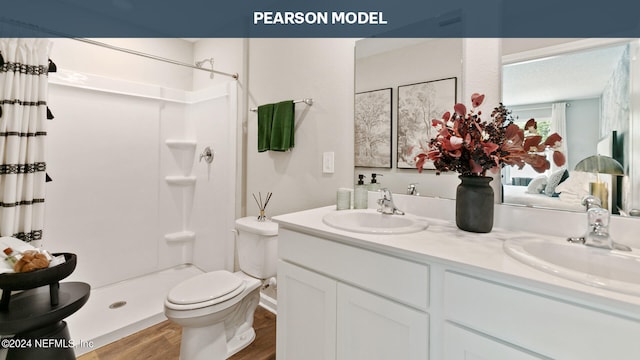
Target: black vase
(474,204)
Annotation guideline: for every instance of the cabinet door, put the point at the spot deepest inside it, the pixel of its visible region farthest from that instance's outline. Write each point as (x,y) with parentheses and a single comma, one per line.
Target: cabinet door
(461,344)
(306,326)
(371,327)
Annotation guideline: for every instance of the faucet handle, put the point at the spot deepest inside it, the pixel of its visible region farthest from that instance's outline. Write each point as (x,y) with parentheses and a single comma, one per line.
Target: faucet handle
(412,189)
(591,201)
(598,218)
(598,227)
(386,193)
(207,154)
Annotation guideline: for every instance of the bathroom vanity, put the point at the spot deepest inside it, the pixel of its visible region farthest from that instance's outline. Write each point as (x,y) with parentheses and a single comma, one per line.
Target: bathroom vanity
(440,293)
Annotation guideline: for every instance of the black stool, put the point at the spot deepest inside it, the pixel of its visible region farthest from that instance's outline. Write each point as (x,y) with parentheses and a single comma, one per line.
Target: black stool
(35,316)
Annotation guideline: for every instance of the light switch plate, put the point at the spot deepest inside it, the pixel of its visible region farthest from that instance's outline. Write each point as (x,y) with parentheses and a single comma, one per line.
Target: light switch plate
(327,162)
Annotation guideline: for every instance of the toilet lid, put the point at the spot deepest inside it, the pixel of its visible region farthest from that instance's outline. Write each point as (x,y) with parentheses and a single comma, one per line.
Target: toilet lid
(252,225)
(204,287)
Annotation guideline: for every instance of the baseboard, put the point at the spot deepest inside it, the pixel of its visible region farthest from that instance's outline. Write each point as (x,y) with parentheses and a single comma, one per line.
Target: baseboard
(269,303)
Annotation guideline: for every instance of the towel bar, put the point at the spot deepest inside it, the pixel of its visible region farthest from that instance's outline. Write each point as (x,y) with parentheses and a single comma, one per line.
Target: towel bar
(308,101)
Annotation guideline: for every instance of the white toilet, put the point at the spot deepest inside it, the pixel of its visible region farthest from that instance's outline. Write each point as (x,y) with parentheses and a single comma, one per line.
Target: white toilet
(216,309)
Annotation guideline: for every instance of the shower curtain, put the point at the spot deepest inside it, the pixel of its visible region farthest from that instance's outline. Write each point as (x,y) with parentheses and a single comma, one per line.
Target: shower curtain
(23,114)
(559,125)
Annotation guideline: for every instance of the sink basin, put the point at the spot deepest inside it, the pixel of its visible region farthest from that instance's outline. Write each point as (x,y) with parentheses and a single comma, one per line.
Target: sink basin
(369,221)
(608,269)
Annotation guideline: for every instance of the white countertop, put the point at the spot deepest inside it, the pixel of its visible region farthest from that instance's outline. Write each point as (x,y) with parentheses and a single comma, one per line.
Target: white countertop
(442,242)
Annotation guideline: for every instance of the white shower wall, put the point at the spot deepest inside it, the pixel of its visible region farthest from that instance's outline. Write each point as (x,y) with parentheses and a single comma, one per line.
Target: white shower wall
(214,124)
(109,202)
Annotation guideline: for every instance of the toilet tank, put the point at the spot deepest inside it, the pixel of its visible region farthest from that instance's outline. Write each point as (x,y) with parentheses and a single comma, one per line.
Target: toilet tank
(257,244)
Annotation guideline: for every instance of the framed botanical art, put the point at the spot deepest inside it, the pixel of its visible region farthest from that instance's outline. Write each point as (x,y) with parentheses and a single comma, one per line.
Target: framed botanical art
(418,104)
(373,129)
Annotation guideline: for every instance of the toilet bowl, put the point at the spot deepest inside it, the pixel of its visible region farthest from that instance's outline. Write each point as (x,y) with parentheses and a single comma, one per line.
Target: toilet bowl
(216,309)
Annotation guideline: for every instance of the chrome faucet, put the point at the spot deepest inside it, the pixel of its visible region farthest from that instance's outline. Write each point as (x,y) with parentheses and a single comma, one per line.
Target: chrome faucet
(412,190)
(386,205)
(598,227)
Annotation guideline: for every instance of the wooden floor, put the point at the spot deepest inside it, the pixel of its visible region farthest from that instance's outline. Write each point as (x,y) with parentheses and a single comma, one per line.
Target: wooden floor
(162,342)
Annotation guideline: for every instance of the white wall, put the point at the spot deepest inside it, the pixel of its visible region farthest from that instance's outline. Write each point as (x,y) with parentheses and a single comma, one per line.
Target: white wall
(87,58)
(482,73)
(582,124)
(631,200)
(230,56)
(322,69)
(102,153)
(214,204)
(432,59)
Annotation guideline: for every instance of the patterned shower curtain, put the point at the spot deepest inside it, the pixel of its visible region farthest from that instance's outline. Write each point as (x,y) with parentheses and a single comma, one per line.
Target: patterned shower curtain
(23,114)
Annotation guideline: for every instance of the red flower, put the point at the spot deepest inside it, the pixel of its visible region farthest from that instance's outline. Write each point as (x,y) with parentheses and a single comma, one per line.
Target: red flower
(531,126)
(538,162)
(420,160)
(558,158)
(489,147)
(470,146)
(554,141)
(532,143)
(477,99)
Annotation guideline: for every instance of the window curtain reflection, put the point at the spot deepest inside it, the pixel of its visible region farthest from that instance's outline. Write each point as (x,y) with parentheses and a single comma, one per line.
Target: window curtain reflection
(559,125)
(23,105)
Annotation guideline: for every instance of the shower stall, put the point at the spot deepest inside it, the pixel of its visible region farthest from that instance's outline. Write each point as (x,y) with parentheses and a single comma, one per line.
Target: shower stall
(133,194)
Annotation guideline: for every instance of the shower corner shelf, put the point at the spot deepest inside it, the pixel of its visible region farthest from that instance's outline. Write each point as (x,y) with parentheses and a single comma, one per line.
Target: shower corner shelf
(181,144)
(181,236)
(180,180)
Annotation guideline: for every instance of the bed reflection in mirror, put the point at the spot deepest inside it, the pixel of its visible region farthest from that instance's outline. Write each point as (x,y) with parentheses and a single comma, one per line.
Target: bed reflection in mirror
(581,90)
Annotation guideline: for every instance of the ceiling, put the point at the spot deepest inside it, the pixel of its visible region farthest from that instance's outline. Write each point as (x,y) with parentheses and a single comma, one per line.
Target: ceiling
(578,75)
(373,46)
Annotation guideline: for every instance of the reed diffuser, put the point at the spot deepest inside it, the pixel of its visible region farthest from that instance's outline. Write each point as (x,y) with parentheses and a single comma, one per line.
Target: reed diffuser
(262,206)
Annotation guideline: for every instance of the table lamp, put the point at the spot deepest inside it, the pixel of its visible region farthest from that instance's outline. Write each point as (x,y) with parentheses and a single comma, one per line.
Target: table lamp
(600,164)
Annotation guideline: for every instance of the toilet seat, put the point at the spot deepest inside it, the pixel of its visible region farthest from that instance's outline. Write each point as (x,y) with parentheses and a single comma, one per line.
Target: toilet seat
(206,290)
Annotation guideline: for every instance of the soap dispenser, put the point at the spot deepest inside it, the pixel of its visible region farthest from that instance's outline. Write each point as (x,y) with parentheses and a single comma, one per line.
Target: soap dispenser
(374,185)
(360,194)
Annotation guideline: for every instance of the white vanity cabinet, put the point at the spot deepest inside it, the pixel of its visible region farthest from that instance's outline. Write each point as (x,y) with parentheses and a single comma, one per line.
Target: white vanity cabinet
(340,302)
(441,294)
(534,325)
(373,327)
(464,344)
(306,314)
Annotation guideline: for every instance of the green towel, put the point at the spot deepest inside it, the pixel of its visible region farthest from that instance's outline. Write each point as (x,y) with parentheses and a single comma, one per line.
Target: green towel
(265,121)
(283,126)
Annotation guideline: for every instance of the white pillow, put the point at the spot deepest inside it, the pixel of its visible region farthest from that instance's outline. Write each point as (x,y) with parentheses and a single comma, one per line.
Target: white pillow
(554,180)
(537,185)
(577,183)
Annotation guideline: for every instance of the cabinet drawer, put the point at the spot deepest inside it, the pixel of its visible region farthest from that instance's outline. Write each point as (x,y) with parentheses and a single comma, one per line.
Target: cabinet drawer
(461,344)
(544,325)
(402,280)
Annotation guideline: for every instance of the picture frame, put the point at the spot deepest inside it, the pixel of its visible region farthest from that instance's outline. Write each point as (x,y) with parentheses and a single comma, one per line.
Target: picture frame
(418,104)
(372,132)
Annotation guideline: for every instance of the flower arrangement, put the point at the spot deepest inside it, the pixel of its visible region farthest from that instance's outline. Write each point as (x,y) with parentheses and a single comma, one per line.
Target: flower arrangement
(470,146)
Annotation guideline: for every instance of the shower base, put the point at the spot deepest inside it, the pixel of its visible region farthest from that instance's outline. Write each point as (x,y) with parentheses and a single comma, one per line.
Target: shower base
(121,309)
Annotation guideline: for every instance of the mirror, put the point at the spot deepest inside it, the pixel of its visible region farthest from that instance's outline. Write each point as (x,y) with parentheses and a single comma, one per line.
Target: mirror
(412,68)
(383,63)
(581,89)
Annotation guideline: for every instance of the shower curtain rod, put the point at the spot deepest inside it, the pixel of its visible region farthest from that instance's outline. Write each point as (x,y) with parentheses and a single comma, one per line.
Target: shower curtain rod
(154,57)
(112,47)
